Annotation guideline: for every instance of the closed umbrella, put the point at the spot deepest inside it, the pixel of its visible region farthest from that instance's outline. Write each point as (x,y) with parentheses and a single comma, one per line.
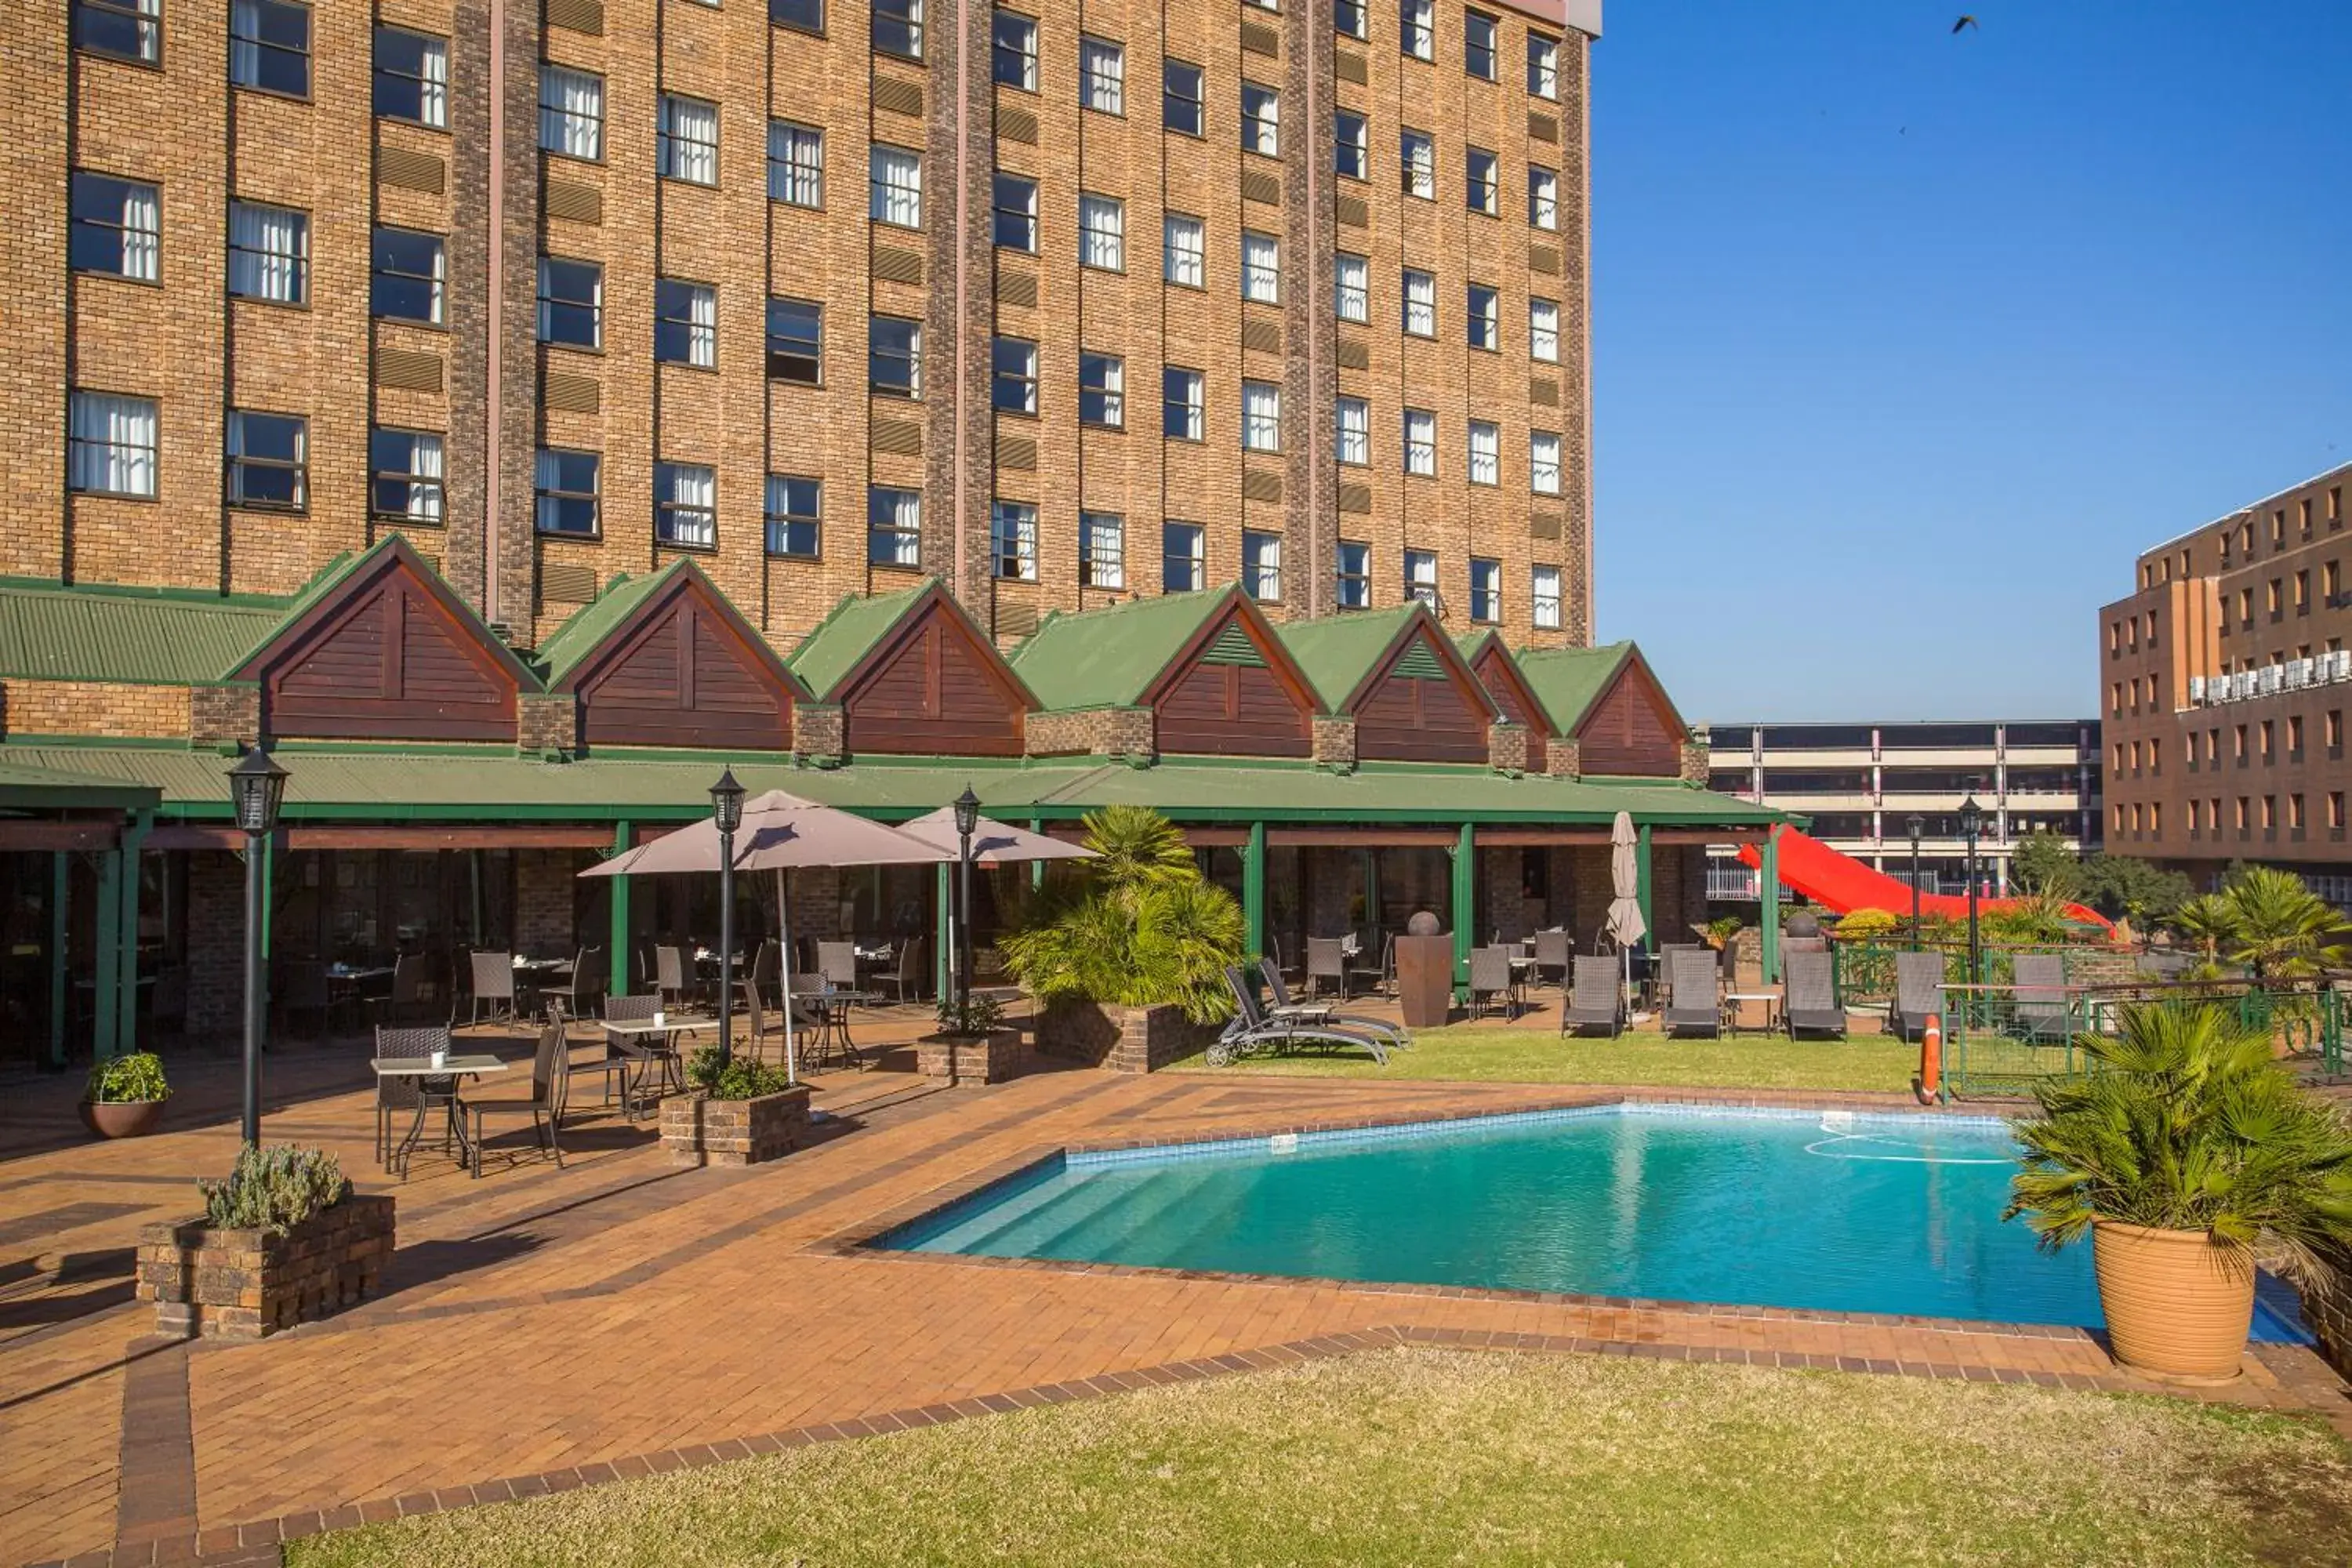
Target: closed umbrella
(1625,925)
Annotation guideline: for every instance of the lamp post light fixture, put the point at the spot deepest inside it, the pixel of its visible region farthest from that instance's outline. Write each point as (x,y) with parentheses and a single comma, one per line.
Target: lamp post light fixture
(256,788)
(727,811)
(967,819)
(1919,826)
(1971,823)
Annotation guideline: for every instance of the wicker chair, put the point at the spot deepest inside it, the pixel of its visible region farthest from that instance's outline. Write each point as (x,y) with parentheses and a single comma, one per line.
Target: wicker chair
(493,975)
(905,981)
(551,1069)
(837,962)
(1490,981)
(396,1092)
(585,984)
(1326,958)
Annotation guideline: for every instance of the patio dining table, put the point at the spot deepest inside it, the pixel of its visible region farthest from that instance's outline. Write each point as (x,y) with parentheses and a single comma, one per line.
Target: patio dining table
(436,1085)
(651,1044)
(832,1004)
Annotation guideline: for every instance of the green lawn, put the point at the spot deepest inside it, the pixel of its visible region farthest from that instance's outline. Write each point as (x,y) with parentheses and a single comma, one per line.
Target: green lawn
(1426,1456)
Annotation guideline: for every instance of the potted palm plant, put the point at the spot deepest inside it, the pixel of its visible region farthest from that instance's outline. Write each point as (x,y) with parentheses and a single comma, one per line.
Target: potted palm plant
(2187,1154)
(125,1096)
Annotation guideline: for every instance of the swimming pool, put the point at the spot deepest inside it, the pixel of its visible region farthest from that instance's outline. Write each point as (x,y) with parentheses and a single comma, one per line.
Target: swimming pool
(1826,1211)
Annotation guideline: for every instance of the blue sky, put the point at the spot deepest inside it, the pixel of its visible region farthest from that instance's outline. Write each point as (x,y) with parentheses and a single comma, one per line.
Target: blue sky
(1905,344)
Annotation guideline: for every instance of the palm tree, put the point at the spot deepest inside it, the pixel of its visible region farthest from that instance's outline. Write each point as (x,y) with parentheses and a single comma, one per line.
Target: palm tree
(2208,920)
(1138,849)
(2281,928)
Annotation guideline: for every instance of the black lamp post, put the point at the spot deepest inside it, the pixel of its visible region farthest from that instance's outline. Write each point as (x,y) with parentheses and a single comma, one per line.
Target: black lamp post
(1971,823)
(727,811)
(1918,823)
(967,817)
(256,787)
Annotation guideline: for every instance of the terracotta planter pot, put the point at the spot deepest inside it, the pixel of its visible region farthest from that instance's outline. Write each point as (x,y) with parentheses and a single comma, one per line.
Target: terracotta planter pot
(122,1118)
(2176,1304)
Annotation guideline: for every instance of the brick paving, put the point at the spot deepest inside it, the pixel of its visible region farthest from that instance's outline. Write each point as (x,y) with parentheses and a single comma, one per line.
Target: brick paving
(543,1328)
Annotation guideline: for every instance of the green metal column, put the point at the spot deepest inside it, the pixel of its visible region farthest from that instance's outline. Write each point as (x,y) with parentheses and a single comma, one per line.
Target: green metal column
(1465,901)
(134,840)
(1253,894)
(1768,887)
(268,922)
(105,939)
(942,977)
(617,957)
(1641,887)
(60,889)
(1036,868)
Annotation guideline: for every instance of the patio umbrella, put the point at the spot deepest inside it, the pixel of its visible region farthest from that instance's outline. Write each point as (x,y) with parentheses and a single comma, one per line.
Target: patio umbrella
(1624,925)
(993,842)
(779,831)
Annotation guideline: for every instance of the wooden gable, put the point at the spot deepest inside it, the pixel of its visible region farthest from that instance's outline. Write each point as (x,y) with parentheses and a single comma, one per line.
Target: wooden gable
(685,670)
(933,685)
(1233,692)
(1508,689)
(389,654)
(1632,729)
(1420,704)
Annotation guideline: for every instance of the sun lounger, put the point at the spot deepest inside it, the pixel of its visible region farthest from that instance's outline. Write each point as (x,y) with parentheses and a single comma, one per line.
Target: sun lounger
(1811,1006)
(1285,1005)
(1253,1030)
(1595,1002)
(2041,994)
(1695,1008)
(1918,991)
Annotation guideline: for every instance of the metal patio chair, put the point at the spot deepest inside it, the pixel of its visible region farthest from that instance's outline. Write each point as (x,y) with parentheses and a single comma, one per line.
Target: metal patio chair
(1809,1006)
(1918,993)
(1696,1008)
(551,1069)
(493,975)
(1490,980)
(1553,950)
(2041,996)
(1596,1001)
(1326,958)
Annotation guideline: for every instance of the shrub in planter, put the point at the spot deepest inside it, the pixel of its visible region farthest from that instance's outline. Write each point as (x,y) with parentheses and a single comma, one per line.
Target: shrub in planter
(2188,1155)
(125,1096)
(283,1240)
(744,1113)
(971,1044)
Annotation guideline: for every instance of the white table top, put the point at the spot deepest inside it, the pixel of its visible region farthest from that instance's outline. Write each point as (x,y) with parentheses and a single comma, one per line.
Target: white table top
(649,1027)
(1751,996)
(422,1067)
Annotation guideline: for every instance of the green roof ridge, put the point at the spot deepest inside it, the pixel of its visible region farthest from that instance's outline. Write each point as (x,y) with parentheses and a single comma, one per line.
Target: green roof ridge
(60,631)
(835,644)
(1108,656)
(1569,680)
(1337,651)
(584,630)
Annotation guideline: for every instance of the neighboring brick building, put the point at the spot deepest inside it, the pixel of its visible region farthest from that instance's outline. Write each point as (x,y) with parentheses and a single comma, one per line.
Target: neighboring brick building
(641,278)
(2226,677)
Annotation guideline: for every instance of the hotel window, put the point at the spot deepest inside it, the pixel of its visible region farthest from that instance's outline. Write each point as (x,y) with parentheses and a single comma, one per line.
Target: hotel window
(564,493)
(2270,743)
(1485,192)
(685,506)
(1485,317)
(570,114)
(268,460)
(1014,51)
(1102,391)
(2274,597)
(411,77)
(124,29)
(405,477)
(894,181)
(1261,268)
(1355,420)
(1181,405)
(409,273)
(1353,587)
(1543,597)
(1183,557)
(1486,590)
(1351,287)
(2334,507)
(686,324)
(1102,233)
(1421,442)
(1102,550)
(894,357)
(802,15)
(2238,745)
(2302,599)
(2244,814)
(1543,462)
(110,445)
(1543,198)
(116,228)
(1418,28)
(2335,811)
(795,164)
(1351,149)
(2303,509)
(1543,65)
(687,146)
(899,27)
(1261,416)
(2269,814)
(1262,566)
(2245,609)
(1419,303)
(1478,33)
(571,302)
(797,341)
(1012,541)
(2331,582)
(795,516)
(1261,120)
(1543,331)
(270,255)
(1183,259)
(2332,729)
(1485,453)
(1015,207)
(1102,75)
(1180,98)
(1012,376)
(1417,161)
(2294,737)
(269,47)
(1348,18)
(1420,577)
(894,526)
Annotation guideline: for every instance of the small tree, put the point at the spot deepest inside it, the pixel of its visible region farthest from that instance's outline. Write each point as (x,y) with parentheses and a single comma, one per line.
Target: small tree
(2279,929)
(2045,864)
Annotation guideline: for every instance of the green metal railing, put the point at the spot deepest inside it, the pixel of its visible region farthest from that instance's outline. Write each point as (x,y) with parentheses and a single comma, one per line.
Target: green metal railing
(1865,971)
(1994,1043)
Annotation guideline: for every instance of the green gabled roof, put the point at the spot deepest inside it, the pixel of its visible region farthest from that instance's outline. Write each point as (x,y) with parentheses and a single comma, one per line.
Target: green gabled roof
(28,785)
(592,622)
(1569,680)
(1338,651)
(848,634)
(1471,644)
(1109,658)
(49,631)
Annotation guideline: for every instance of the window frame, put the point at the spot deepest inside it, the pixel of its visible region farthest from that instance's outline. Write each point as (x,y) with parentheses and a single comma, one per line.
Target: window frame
(1417,177)
(235,466)
(1195,557)
(772,520)
(1537,336)
(564,496)
(794,170)
(882,158)
(1487,596)
(1024,51)
(1094,526)
(1195,406)
(1424,450)
(1543,65)
(1269,394)
(895,28)
(560,116)
(780,14)
(1197,101)
(999,214)
(1471,20)
(379,476)
(895,527)
(1559,466)
(1492,458)
(1491,187)
(1417,29)
(1417,585)
(1261,278)
(80,445)
(668,508)
(699,338)
(1091,204)
(1261,565)
(1360,431)
(1261,119)
(1344,12)
(1103,91)
(554,307)
(1013,541)
(120,228)
(1429,301)
(1024,376)
(424,87)
(1362,292)
(1359,580)
(264,49)
(1537,598)
(1543,198)
(912,356)
(792,352)
(1103,378)
(1358,143)
(1486,323)
(143,17)
(436,281)
(1171,252)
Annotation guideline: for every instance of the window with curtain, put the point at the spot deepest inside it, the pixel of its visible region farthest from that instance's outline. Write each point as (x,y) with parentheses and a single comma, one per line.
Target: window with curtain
(1486,590)
(895,176)
(564,492)
(405,477)
(408,275)
(1102,550)
(795,164)
(1417,161)
(1181,98)
(899,27)
(1418,20)
(1261,268)
(1349,18)
(1420,577)
(1182,412)
(1479,32)
(1543,65)
(687,147)
(268,461)
(1186,261)
(797,341)
(124,29)
(1543,597)
(1013,541)
(1485,317)
(570,114)
(411,77)
(795,511)
(1351,287)
(894,526)
(1102,390)
(116,225)
(1261,119)
(1352,565)
(1543,331)
(1543,462)
(686,324)
(1419,303)
(1355,420)
(1013,51)
(1102,233)
(1183,557)
(686,505)
(1261,416)
(1419,442)
(1012,376)
(1014,202)
(1485,453)
(270,46)
(1484,192)
(1351,146)
(110,445)
(1102,75)
(894,356)
(1262,566)
(1543,198)
(270,256)
(571,302)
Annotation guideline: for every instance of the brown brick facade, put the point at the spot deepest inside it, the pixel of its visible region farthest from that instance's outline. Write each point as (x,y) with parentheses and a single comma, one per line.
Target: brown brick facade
(1335,740)
(1506,746)
(92,708)
(1091,732)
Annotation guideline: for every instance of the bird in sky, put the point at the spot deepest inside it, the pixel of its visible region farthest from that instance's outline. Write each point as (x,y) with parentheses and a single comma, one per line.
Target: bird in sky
(1966,22)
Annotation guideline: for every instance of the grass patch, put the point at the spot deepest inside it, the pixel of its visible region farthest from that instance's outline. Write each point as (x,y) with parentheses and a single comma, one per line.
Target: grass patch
(1424,1457)
(1539,1056)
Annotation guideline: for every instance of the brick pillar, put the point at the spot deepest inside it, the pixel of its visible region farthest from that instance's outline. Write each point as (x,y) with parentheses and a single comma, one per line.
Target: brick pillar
(1590,893)
(1695,761)
(1335,741)
(215,943)
(544,885)
(224,715)
(1564,758)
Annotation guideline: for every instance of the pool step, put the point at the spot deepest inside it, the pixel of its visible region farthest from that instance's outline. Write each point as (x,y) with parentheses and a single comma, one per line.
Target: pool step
(1082,1226)
(976,1233)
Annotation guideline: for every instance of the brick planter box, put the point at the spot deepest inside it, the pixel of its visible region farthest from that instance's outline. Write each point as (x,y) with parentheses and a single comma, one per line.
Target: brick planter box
(247,1284)
(965,1059)
(697,1130)
(1124,1039)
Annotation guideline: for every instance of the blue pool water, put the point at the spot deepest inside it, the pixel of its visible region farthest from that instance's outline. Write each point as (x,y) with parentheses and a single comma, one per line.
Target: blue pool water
(1826,1211)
